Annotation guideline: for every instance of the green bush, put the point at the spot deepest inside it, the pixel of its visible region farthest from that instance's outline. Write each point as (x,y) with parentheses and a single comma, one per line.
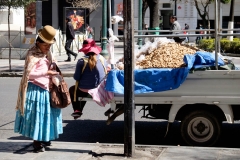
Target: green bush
(207,44)
(225,1)
(236,39)
(226,45)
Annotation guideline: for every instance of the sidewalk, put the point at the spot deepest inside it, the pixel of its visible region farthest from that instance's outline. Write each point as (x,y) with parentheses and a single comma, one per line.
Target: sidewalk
(22,150)
(67,68)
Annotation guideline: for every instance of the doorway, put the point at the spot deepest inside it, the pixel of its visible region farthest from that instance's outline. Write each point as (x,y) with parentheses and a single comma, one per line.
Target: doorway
(165,16)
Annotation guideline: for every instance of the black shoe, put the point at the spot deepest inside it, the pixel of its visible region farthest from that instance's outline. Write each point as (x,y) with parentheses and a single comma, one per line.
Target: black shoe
(38,148)
(75,56)
(68,60)
(46,143)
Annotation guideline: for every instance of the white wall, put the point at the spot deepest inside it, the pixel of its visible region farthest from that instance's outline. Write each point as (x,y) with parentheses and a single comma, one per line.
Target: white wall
(16,19)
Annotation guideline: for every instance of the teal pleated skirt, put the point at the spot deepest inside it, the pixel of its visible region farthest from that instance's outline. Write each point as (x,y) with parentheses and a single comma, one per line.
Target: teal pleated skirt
(40,121)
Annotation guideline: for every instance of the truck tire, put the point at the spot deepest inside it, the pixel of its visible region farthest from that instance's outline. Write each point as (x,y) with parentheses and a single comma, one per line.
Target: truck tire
(200,128)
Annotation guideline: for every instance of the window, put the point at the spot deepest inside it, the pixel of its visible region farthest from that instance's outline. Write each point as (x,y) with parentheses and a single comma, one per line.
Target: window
(166,5)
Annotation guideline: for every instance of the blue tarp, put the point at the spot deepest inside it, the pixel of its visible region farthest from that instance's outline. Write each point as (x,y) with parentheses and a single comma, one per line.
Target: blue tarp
(160,79)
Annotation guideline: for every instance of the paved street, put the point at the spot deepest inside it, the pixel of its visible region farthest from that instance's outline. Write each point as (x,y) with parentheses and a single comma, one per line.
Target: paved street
(90,137)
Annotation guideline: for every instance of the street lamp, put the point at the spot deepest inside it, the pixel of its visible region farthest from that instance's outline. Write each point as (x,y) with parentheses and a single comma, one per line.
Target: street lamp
(140,22)
(38,14)
(104,52)
(175,7)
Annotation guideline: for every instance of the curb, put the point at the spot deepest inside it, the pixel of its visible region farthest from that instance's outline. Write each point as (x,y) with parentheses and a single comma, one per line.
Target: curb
(19,74)
(11,74)
(231,54)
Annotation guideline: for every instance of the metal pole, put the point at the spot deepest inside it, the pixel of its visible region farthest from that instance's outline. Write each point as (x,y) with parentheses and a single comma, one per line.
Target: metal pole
(38,15)
(140,22)
(104,52)
(78,41)
(59,40)
(175,7)
(216,34)
(110,13)
(129,105)
(20,41)
(219,25)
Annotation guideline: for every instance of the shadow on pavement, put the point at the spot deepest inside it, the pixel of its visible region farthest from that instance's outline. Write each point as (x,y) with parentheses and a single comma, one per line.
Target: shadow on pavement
(146,133)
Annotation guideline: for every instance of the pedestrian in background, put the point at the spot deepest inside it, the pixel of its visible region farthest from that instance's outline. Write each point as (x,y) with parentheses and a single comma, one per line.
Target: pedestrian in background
(146,28)
(175,26)
(90,31)
(35,118)
(199,32)
(70,36)
(186,28)
(146,33)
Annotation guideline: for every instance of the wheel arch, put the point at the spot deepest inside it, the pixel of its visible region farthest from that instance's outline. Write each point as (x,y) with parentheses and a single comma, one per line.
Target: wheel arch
(223,112)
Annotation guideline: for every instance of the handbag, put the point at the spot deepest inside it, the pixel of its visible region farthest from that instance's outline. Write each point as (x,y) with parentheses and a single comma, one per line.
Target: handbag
(60,97)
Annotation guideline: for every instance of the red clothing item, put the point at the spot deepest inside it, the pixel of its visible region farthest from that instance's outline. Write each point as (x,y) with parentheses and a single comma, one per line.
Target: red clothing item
(38,74)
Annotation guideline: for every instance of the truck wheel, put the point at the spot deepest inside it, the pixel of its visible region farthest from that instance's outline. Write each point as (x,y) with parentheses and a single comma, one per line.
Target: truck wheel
(200,128)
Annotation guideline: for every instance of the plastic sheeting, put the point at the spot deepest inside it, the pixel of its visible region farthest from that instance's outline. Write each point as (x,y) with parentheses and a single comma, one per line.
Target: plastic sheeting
(160,79)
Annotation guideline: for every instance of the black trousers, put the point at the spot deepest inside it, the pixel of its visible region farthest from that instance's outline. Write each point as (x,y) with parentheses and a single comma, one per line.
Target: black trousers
(68,50)
(78,105)
(178,40)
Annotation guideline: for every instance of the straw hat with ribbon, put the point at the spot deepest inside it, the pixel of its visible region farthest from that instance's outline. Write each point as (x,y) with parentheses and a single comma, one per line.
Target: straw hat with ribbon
(47,34)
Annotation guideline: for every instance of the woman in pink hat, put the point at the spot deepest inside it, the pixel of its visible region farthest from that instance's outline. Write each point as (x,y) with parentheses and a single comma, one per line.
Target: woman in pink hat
(90,71)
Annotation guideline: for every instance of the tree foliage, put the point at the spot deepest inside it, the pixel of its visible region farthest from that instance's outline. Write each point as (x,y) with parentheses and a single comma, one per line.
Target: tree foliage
(9,4)
(91,5)
(225,1)
(15,3)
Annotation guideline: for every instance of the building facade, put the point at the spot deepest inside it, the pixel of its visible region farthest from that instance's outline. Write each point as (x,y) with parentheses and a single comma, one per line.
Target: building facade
(53,14)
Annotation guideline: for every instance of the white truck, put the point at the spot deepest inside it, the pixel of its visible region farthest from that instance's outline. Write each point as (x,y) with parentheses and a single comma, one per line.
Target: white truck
(202,102)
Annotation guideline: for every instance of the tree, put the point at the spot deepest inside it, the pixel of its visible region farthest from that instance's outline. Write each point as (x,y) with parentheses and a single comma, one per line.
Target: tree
(154,10)
(231,19)
(202,7)
(91,5)
(12,4)
(144,9)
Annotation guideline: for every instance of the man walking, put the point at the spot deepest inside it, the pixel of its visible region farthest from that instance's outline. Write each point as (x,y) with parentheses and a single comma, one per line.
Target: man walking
(70,36)
(176,27)
(199,32)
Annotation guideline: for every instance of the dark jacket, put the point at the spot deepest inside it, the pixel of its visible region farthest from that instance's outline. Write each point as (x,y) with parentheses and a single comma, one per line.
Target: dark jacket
(89,79)
(70,34)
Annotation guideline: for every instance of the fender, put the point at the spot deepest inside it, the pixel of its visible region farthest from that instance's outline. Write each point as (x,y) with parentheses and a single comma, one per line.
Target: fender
(227,110)
(173,112)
